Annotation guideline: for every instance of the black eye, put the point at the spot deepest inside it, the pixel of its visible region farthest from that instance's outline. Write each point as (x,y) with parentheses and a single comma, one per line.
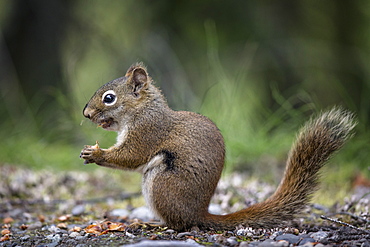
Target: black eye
(109,98)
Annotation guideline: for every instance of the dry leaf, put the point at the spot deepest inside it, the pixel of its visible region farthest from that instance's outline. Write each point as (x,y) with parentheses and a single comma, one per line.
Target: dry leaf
(113,227)
(5,232)
(94,229)
(23,227)
(41,218)
(116,227)
(153,237)
(105,227)
(75,229)
(64,217)
(62,225)
(4,238)
(6,226)
(8,220)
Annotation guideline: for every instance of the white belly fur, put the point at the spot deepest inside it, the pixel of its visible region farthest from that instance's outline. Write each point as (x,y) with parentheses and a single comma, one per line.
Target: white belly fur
(150,171)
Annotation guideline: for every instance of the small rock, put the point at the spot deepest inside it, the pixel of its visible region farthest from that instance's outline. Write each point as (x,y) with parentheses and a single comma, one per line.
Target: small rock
(53,244)
(248,232)
(142,213)
(70,242)
(120,212)
(275,234)
(244,244)
(291,238)
(364,242)
(74,234)
(307,240)
(218,238)
(232,241)
(272,243)
(191,241)
(13,213)
(79,237)
(318,236)
(319,245)
(182,234)
(53,237)
(25,237)
(78,210)
(282,243)
(53,229)
(27,216)
(308,244)
(150,243)
(267,243)
(254,243)
(170,231)
(35,226)
(130,235)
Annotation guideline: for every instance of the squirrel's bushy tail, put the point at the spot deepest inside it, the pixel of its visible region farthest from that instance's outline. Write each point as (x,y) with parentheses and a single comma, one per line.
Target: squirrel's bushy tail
(315,144)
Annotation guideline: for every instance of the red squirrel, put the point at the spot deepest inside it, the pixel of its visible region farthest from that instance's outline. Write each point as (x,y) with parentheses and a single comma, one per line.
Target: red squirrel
(181,155)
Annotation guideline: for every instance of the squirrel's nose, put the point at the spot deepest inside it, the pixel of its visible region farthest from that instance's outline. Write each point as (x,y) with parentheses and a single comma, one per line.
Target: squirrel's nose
(87,112)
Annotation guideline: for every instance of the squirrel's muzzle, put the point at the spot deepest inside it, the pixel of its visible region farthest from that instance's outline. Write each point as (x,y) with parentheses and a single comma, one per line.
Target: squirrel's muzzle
(87,112)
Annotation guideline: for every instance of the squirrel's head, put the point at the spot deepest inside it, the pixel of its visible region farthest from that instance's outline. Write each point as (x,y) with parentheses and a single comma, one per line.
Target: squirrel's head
(119,100)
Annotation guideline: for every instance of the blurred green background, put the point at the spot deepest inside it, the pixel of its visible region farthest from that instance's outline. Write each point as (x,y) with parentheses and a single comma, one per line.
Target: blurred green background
(258,69)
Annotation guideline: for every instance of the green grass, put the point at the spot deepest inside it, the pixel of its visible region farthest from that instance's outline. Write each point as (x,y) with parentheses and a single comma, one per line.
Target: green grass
(32,151)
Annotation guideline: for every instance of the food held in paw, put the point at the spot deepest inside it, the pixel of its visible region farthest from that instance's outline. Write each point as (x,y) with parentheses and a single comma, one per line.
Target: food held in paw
(96,146)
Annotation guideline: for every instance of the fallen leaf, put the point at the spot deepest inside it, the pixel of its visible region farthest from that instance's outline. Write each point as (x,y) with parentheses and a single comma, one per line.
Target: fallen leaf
(23,227)
(75,229)
(5,232)
(116,227)
(6,226)
(94,229)
(105,227)
(8,220)
(41,218)
(62,225)
(64,217)
(153,237)
(4,238)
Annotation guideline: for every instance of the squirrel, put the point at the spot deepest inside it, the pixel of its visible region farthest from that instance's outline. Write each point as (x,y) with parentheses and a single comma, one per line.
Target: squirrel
(181,155)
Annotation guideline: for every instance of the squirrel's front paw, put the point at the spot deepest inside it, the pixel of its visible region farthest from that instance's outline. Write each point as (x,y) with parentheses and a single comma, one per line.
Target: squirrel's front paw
(91,154)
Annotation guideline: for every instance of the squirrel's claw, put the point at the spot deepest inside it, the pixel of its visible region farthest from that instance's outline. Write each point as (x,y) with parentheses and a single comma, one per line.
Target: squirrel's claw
(89,152)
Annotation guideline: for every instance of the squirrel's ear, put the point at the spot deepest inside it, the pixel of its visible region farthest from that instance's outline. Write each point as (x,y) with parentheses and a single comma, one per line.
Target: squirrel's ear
(137,79)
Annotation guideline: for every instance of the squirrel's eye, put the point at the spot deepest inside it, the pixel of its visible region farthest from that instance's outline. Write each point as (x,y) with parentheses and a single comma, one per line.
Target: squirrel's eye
(109,97)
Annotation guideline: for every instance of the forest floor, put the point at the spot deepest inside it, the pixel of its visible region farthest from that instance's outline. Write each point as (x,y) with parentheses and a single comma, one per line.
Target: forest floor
(46,208)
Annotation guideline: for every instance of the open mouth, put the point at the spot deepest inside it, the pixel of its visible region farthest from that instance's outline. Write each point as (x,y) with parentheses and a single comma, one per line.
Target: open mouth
(106,123)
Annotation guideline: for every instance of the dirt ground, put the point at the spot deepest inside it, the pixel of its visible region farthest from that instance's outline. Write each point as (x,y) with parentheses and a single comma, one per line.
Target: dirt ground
(45,208)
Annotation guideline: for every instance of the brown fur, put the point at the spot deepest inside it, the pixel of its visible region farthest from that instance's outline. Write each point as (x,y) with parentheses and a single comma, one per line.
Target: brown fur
(181,156)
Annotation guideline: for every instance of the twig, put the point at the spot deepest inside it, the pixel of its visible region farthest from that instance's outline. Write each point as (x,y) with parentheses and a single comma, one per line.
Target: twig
(344,223)
(354,216)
